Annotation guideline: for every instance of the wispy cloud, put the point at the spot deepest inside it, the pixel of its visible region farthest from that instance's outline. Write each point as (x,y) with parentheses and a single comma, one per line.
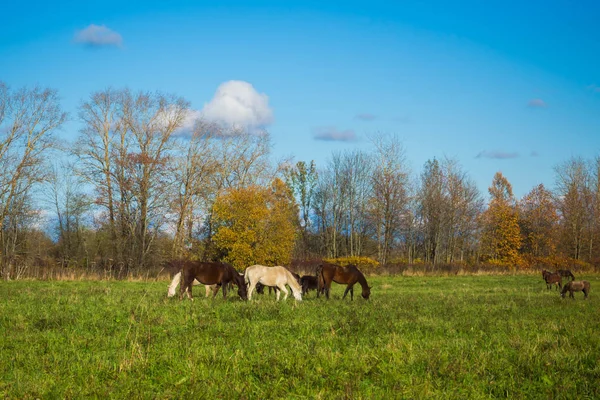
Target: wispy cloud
(594,88)
(534,154)
(537,103)
(98,36)
(366,116)
(332,134)
(403,120)
(497,155)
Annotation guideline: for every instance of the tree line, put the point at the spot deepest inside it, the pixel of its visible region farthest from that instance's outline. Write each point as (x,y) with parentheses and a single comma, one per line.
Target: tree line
(141,185)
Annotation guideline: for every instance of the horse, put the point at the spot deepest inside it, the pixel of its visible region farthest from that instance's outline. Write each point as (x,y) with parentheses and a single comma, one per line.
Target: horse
(546,273)
(177,278)
(553,278)
(566,273)
(272,276)
(211,273)
(309,282)
(576,286)
(349,275)
(260,288)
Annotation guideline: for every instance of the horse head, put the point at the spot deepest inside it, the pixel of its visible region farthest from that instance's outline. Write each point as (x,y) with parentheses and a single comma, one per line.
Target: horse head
(366,292)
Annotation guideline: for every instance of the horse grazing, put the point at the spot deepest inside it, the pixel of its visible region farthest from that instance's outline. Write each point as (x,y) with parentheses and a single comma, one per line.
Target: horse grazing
(309,282)
(349,275)
(553,278)
(566,273)
(576,286)
(211,273)
(273,276)
(177,278)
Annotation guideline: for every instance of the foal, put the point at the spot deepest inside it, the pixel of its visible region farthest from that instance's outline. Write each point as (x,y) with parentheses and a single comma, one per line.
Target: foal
(349,275)
(211,273)
(576,286)
(309,282)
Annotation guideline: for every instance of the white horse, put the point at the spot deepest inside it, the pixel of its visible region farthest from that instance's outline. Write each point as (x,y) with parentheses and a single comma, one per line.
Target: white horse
(177,278)
(272,276)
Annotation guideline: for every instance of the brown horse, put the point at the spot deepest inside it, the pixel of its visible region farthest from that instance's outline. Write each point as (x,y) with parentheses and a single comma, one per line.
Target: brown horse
(546,273)
(211,273)
(553,278)
(576,286)
(566,274)
(349,275)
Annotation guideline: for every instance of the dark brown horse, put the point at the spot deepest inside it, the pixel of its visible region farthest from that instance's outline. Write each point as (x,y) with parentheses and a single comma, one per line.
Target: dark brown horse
(309,282)
(349,275)
(211,273)
(546,273)
(553,278)
(576,286)
(565,273)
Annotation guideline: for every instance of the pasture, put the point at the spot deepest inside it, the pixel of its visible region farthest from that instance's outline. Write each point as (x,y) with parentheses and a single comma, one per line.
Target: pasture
(437,337)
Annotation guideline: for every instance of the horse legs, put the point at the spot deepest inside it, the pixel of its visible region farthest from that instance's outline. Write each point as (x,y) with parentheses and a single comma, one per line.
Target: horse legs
(251,289)
(225,290)
(285,292)
(217,286)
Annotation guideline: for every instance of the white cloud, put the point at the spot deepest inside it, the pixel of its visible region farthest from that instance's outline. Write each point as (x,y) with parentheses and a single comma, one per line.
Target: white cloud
(98,36)
(238,104)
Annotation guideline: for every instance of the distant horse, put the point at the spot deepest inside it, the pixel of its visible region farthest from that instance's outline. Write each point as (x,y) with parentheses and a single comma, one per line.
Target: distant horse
(211,273)
(309,282)
(546,273)
(576,286)
(553,278)
(566,273)
(349,275)
(272,276)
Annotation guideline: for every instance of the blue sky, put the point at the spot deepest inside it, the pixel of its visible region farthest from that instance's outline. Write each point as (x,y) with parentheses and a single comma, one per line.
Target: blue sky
(500,86)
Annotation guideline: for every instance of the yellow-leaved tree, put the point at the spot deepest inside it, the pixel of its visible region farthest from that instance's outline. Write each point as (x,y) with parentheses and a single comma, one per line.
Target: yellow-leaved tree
(502,235)
(256,225)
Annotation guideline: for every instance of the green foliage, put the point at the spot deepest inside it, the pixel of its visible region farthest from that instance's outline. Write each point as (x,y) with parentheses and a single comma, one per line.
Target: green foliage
(417,337)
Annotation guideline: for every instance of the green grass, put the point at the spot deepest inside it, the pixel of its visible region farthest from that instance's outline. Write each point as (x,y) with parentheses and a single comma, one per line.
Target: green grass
(435,337)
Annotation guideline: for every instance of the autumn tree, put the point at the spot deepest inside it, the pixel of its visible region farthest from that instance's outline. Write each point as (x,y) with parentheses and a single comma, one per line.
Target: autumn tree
(538,222)
(502,236)
(256,225)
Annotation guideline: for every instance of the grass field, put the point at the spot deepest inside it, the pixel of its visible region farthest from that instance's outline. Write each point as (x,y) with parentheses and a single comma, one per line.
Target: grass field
(418,337)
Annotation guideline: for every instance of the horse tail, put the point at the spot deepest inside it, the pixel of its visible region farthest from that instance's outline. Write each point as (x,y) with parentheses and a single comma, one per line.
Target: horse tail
(294,285)
(173,285)
(320,279)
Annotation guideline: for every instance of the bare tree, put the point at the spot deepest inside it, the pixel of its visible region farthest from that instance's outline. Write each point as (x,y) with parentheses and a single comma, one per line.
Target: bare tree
(28,120)
(390,192)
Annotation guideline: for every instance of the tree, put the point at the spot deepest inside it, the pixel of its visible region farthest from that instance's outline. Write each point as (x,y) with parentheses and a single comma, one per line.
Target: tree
(573,202)
(302,179)
(390,192)
(538,222)
(28,120)
(256,225)
(502,236)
